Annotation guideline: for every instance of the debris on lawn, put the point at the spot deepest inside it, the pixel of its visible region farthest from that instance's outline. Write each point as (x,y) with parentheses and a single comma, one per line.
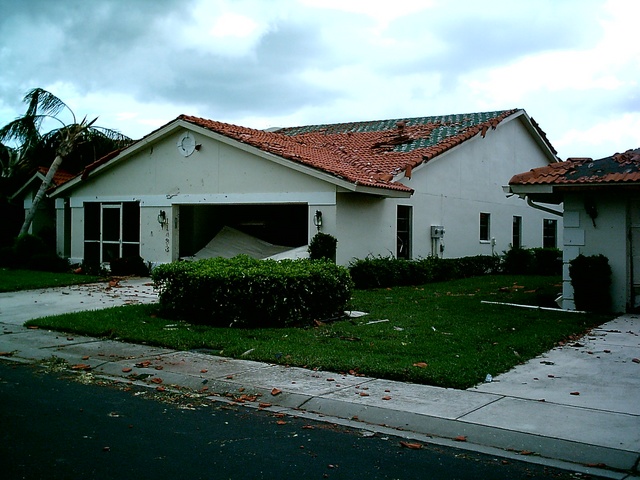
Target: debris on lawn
(355,314)
(375,321)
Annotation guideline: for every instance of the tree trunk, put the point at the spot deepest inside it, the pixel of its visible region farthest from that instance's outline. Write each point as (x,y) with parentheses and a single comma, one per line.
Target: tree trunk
(46,183)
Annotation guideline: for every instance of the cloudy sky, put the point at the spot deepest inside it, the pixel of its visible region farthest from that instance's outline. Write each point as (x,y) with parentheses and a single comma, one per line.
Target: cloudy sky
(573,65)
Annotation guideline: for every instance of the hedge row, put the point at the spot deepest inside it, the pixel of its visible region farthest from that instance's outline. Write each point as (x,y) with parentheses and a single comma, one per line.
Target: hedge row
(244,292)
(377,272)
(32,253)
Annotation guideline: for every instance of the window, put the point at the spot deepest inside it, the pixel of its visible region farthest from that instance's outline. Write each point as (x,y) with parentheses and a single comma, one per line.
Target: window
(549,233)
(403,231)
(516,235)
(485,226)
(111,230)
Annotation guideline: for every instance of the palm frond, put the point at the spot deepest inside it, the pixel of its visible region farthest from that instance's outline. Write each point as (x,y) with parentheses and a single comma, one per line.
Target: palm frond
(42,102)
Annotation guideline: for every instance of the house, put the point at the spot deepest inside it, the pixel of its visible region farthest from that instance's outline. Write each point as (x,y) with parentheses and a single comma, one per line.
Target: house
(406,187)
(601,216)
(44,221)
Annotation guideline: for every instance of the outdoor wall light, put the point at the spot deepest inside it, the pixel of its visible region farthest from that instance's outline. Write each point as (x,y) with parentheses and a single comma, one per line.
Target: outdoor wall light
(317,219)
(162,218)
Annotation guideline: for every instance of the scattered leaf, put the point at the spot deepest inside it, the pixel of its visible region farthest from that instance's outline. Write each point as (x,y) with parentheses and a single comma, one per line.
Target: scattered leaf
(412,446)
(421,364)
(386,397)
(81,366)
(575,393)
(86,357)
(160,388)
(275,392)
(281,422)
(635,360)
(460,438)
(264,405)
(204,370)
(126,369)
(156,380)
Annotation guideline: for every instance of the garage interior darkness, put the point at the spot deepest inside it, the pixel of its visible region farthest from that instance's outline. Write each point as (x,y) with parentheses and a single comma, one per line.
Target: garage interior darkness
(281,224)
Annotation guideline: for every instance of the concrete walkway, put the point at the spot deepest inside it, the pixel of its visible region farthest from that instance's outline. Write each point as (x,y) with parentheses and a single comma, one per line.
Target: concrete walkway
(575,407)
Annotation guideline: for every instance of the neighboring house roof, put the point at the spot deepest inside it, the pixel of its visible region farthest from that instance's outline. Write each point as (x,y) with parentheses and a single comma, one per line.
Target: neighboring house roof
(618,168)
(60,177)
(371,153)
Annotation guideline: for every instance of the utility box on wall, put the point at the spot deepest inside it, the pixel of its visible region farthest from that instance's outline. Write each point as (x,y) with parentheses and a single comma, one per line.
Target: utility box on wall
(437,231)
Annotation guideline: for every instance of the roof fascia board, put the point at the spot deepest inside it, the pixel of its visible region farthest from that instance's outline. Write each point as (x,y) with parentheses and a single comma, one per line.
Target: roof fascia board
(528,189)
(528,123)
(26,185)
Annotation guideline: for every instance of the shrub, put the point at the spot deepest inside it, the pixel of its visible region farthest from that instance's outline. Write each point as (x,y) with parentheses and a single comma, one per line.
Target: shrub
(30,252)
(532,261)
(591,281)
(8,258)
(26,246)
(323,245)
(378,272)
(548,261)
(47,262)
(244,292)
(129,266)
(518,261)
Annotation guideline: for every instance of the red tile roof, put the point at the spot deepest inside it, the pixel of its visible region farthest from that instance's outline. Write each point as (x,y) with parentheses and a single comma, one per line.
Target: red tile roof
(365,153)
(618,168)
(60,176)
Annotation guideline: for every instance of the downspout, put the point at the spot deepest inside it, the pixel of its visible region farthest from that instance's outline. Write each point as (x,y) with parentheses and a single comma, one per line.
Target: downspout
(544,209)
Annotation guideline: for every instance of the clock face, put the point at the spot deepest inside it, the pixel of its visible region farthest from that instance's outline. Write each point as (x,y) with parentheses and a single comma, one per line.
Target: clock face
(186,144)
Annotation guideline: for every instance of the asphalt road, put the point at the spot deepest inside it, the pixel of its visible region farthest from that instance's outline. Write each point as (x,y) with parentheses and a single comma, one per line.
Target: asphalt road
(54,426)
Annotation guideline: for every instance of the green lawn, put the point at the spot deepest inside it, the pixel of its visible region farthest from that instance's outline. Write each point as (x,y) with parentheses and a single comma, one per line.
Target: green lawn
(14,280)
(437,334)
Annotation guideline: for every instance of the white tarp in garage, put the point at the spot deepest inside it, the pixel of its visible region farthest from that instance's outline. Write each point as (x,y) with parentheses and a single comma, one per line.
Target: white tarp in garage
(230,242)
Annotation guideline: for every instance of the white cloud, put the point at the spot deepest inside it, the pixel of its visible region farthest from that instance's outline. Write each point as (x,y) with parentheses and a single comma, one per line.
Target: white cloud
(573,65)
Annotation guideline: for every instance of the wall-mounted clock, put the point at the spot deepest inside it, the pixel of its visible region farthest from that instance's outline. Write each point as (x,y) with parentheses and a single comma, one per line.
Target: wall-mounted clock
(186,144)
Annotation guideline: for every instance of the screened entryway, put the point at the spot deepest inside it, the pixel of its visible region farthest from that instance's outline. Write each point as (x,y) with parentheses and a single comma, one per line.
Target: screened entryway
(111,230)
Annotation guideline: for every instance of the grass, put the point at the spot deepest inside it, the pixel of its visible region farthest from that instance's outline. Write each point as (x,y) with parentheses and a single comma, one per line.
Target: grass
(14,280)
(437,334)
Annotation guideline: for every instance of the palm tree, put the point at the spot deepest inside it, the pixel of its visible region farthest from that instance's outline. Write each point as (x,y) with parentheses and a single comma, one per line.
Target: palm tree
(59,142)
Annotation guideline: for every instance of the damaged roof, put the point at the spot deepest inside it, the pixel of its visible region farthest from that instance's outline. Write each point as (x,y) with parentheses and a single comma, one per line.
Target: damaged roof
(370,153)
(621,168)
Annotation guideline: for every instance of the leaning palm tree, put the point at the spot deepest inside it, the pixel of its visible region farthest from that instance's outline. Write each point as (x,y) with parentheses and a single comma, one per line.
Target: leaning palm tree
(25,130)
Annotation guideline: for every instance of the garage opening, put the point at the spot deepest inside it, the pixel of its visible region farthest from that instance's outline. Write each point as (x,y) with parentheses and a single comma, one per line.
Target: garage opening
(283,225)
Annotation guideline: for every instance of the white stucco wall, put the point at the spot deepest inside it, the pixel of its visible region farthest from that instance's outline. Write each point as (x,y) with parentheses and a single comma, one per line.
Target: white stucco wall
(452,190)
(608,237)
(160,178)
